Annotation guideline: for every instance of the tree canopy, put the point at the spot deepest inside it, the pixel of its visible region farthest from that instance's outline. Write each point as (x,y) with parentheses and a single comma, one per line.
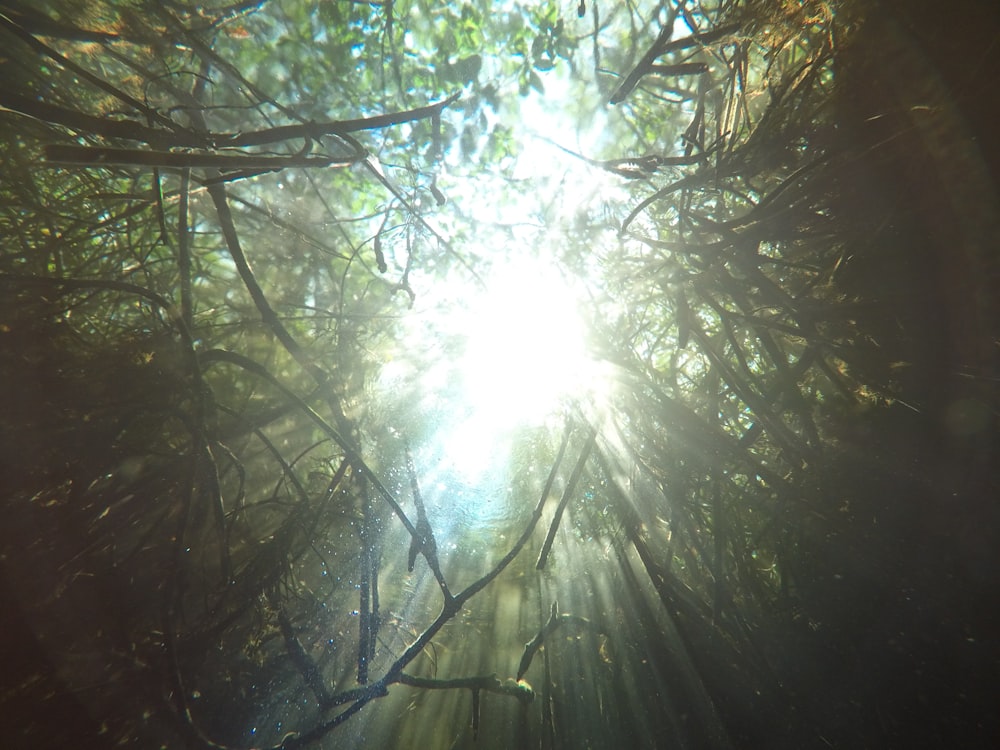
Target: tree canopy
(547,375)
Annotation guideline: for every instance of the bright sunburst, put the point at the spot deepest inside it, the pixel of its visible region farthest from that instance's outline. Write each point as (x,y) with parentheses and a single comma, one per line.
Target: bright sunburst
(525,357)
(526,346)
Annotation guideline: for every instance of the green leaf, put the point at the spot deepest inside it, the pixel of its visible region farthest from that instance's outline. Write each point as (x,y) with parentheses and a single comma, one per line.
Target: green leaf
(536,82)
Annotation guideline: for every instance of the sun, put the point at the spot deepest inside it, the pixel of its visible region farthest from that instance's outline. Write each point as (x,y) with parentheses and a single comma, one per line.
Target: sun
(525,358)
(483,368)
(526,345)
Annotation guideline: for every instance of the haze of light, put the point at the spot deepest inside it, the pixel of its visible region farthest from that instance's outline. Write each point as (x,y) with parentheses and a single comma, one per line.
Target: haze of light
(521,354)
(525,358)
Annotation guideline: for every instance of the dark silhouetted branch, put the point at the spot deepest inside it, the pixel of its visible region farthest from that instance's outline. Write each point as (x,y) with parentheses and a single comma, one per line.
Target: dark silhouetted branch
(189,138)
(91,156)
(490,683)
(555,621)
(663,46)
(423,541)
(302,660)
(574,479)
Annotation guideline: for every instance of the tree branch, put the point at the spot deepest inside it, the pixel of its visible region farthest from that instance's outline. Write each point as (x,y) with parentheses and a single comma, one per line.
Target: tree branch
(555,621)
(491,683)
(188,138)
(94,156)
(568,492)
(423,541)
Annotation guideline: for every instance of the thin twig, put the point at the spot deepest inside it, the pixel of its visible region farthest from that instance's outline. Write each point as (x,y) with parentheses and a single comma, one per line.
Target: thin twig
(568,492)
